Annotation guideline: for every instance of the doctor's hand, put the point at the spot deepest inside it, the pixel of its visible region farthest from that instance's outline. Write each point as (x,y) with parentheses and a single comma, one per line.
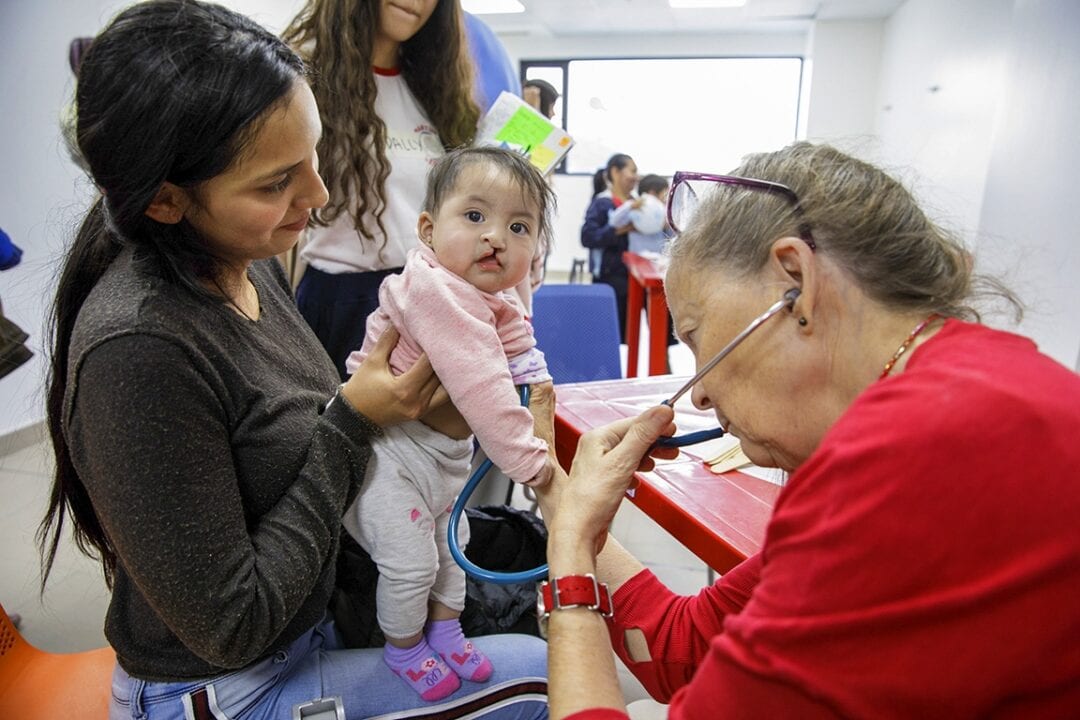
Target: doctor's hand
(604,466)
(387,399)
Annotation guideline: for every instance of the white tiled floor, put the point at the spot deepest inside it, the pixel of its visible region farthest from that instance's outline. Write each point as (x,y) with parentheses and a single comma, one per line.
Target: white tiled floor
(69,615)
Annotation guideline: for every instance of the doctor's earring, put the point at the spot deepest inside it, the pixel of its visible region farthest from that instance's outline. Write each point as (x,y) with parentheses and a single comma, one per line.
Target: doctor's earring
(802,321)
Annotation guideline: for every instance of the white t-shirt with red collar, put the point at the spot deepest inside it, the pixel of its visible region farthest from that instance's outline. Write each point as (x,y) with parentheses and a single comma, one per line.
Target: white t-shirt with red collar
(412,147)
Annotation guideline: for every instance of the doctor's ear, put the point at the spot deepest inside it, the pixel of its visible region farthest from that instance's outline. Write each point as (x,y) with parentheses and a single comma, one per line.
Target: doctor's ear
(793,264)
(169,204)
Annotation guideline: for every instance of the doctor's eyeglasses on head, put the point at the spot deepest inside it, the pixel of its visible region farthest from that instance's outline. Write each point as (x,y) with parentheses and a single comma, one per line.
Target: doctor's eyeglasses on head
(689,189)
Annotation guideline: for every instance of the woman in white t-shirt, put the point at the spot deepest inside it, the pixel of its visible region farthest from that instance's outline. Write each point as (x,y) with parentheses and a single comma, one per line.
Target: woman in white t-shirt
(394,83)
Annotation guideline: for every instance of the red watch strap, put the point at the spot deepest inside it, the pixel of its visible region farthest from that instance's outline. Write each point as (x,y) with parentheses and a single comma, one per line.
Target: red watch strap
(576,591)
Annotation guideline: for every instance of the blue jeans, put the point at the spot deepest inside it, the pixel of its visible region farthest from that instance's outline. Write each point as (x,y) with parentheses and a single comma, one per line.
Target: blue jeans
(315,666)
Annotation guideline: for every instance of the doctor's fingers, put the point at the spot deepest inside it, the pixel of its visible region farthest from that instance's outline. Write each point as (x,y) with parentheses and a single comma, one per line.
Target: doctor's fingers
(618,449)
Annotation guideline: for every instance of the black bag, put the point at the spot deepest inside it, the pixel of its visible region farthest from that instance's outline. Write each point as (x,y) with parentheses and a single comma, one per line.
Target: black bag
(13,350)
(503,539)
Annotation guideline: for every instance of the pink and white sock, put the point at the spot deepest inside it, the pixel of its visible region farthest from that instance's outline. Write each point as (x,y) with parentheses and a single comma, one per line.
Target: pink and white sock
(421,668)
(447,639)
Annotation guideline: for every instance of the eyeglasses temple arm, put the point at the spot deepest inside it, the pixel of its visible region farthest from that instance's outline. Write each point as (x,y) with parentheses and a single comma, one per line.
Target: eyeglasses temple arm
(788,301)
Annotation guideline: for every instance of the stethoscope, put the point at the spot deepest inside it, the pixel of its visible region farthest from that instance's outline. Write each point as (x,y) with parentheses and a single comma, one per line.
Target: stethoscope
(499,578)
(787,302)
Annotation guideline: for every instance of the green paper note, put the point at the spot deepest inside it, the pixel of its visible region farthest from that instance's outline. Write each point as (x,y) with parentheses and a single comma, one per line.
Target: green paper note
(524,128)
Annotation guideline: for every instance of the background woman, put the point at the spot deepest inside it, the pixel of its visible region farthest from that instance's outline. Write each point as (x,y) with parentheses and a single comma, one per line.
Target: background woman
(394,85)
(606,242)
(921,560)
(203,449)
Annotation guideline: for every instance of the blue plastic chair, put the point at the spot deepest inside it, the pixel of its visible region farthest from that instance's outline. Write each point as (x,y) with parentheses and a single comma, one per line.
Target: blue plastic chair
(577,328)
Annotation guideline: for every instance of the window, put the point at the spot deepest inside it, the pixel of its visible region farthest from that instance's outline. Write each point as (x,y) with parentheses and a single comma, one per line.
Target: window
(674,113)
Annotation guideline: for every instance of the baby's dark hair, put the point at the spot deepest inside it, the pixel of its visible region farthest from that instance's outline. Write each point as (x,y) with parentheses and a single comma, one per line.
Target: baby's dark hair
(444,176)
(652,184)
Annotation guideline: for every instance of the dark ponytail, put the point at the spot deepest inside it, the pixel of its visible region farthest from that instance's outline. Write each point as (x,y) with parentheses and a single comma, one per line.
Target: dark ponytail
(171,91)
(92,252)
(599,182)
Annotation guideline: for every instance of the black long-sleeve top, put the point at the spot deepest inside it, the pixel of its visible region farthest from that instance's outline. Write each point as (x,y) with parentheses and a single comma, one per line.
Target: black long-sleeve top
(598,234)
(201,438)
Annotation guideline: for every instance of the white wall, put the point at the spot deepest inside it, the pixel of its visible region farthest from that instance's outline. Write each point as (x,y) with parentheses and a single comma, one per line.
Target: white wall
(1030,218)
(42,193)
(978,111)
(843,60)
(943,66)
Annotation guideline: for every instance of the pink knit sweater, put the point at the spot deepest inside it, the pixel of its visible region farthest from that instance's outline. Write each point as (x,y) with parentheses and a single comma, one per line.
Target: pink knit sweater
(469,336)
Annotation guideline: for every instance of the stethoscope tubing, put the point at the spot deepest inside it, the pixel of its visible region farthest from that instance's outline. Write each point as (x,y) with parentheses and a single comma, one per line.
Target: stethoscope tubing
(540,572)
(693,438)
(499,578)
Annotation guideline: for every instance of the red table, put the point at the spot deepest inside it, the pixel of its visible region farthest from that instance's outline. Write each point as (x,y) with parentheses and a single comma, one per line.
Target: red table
(720,518)
(646,278)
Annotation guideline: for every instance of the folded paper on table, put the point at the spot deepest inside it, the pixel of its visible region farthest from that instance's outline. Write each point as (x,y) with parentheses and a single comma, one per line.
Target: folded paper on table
(725,454)
(734,461)
(514,124)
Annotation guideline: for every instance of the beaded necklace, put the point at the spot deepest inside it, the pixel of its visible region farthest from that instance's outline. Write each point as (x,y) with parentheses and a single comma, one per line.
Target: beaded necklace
(906,344)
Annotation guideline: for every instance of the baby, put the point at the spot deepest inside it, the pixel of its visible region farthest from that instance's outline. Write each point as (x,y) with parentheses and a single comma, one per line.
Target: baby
(648,215)
(485,213)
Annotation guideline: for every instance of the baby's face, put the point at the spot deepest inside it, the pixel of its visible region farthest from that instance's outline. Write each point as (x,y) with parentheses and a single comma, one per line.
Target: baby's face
(486,230)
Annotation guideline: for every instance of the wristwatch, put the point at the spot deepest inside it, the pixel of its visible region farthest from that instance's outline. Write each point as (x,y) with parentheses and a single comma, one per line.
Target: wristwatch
(571,591)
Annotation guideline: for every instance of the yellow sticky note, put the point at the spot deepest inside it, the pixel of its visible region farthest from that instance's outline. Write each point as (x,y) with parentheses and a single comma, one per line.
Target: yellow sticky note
(542,156)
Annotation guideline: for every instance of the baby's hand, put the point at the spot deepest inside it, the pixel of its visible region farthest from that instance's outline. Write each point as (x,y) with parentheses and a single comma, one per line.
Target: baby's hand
(543,477)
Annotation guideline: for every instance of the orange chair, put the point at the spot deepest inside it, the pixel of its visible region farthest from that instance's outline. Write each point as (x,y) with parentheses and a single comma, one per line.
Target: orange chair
(36,685)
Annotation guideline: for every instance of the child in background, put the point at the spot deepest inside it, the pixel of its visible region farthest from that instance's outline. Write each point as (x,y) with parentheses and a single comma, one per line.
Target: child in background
(649,231)
(485,211)
(647,215)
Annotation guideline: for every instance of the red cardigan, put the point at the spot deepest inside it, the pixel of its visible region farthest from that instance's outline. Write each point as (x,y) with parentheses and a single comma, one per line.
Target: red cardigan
(924,562)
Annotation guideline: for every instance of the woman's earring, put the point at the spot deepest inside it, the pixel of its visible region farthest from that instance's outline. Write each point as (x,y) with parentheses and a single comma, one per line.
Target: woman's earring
(802,321)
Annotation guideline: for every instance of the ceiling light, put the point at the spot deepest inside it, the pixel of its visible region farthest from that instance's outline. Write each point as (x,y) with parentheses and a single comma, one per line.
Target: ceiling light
(492,7)
(706,3)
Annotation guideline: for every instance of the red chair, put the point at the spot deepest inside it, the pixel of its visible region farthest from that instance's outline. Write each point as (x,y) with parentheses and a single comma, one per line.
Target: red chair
(37,685)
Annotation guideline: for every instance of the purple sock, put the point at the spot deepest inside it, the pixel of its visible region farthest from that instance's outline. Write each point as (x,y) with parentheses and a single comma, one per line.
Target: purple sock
(421,668)
(447,639)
